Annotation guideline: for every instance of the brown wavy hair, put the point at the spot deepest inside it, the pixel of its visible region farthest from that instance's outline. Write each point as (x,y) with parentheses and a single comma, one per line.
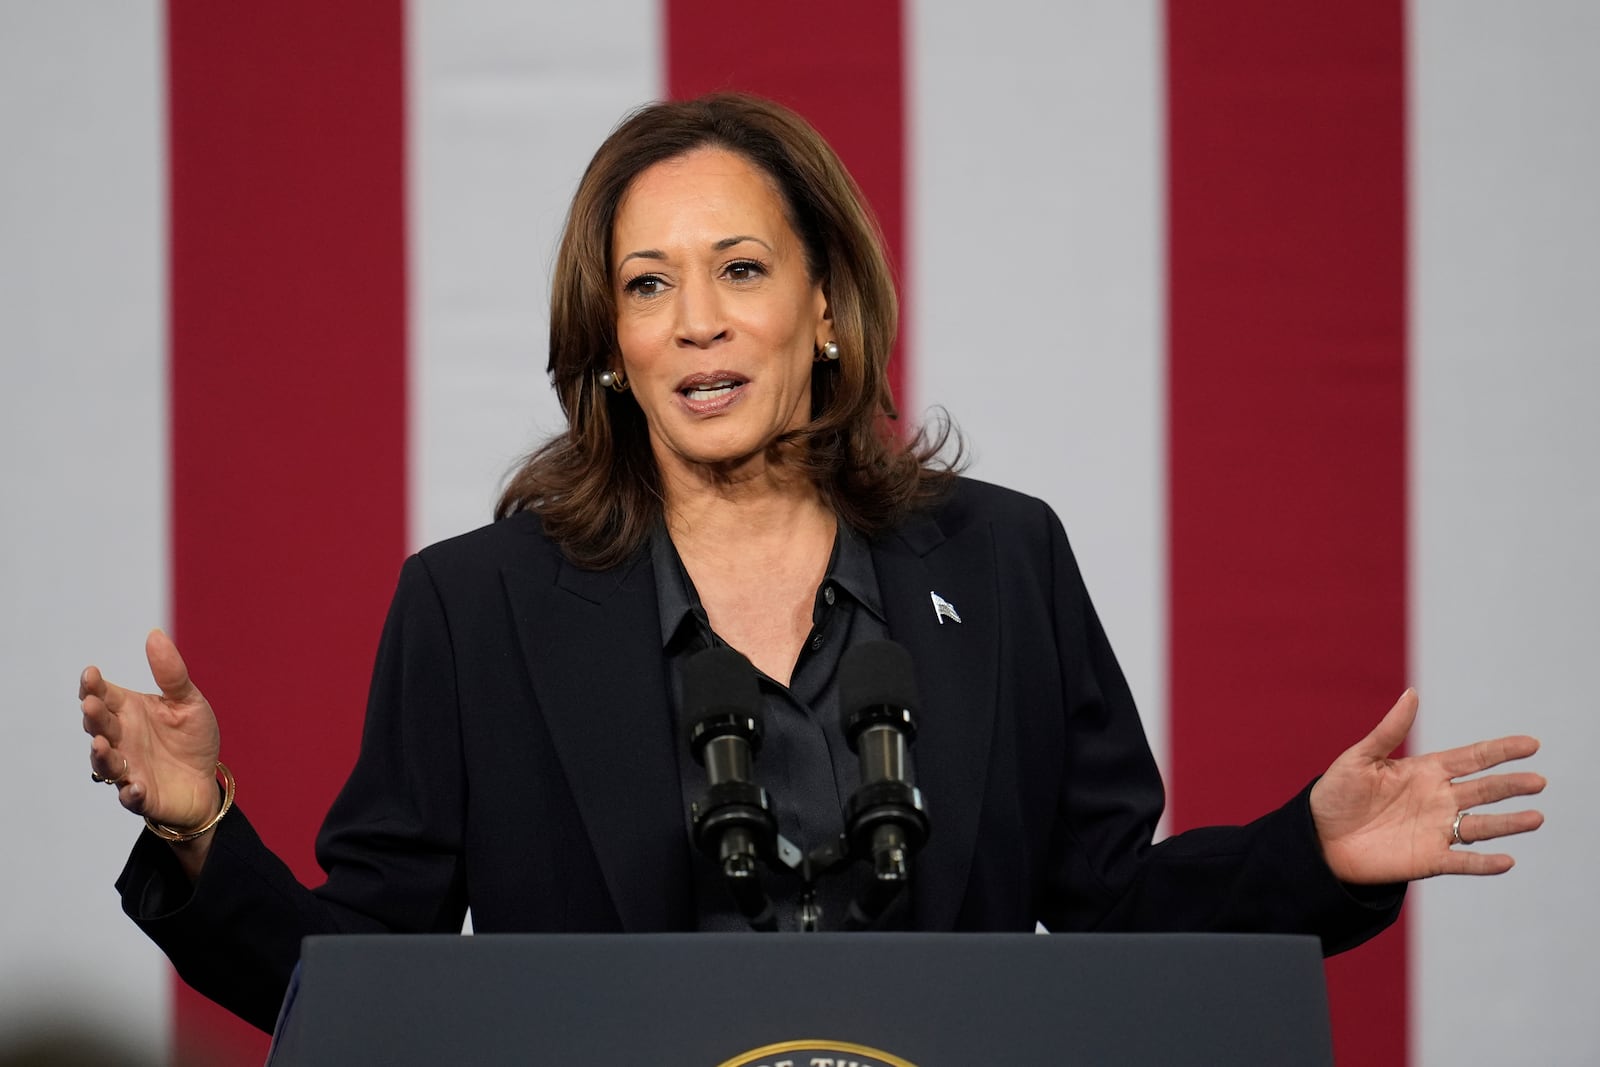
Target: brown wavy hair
(595,485)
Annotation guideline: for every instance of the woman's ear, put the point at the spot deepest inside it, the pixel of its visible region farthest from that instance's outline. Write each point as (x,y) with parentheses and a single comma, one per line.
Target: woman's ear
(824,315)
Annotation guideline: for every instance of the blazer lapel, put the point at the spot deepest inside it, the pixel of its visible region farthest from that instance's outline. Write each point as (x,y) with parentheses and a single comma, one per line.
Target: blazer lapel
(957,667)
(593,651)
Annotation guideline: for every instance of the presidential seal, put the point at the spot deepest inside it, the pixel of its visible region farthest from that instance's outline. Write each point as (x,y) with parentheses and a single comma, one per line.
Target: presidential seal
(816,1053)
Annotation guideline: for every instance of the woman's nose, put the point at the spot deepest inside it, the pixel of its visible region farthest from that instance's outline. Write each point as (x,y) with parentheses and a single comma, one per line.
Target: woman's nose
(700,314)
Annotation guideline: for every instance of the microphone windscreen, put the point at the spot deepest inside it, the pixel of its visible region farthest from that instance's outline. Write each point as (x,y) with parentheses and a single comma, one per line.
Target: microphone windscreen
(719,682)
(877,673)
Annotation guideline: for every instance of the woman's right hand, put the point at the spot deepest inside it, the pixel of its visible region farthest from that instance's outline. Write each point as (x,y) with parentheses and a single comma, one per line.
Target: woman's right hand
(160,749)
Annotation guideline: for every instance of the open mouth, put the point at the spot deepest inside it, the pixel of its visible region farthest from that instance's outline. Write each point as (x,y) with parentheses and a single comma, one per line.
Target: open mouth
(708,388)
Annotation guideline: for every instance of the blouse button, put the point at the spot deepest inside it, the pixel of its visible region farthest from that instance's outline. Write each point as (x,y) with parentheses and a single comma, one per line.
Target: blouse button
(827,594)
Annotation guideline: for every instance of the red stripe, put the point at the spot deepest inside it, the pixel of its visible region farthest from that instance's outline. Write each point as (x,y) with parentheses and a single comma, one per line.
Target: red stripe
(288,397)
(1287,396)
(837,62)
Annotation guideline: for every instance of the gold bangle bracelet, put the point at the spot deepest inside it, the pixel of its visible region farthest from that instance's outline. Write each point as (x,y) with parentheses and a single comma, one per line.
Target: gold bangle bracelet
(167,833)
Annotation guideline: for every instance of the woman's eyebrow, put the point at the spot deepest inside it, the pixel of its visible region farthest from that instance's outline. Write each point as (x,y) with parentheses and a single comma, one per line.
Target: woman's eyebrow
(643,253)
(728,242)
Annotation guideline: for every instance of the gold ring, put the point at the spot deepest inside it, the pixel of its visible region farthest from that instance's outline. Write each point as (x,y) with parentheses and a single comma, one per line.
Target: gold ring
(1455,829)
(98,777)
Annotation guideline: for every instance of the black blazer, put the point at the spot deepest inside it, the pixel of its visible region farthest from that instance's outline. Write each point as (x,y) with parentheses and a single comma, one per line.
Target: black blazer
(519,756)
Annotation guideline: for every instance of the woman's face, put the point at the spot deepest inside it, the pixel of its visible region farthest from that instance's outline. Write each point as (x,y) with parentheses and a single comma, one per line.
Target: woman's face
(718,318)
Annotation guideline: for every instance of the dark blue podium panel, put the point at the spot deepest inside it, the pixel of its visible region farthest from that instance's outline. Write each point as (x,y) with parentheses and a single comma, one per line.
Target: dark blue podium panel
(818,1000)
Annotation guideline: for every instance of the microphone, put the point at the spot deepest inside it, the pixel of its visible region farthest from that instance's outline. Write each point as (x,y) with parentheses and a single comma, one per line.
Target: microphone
(885,819)
(733,823)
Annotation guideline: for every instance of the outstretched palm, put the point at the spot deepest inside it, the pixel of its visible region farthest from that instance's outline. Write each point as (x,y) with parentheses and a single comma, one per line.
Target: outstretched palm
(1386,820)
(162,747)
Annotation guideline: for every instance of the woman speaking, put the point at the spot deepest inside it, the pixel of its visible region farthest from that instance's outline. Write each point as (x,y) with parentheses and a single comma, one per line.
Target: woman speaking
(721,320)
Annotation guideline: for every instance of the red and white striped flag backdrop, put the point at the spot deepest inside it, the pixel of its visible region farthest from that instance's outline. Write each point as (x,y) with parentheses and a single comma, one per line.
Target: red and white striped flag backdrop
(1285,307)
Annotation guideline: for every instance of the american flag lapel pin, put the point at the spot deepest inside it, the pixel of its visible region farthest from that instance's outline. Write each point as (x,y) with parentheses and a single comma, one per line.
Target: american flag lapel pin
(943,609)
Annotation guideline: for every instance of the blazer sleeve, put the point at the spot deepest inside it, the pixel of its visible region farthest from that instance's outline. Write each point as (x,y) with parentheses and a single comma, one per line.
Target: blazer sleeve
(391,844)
(1103,871)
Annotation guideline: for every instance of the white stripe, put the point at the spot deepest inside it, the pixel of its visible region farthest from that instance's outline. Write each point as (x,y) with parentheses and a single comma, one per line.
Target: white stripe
(1505,503)
(1037,303)
(508,100)
(83,573)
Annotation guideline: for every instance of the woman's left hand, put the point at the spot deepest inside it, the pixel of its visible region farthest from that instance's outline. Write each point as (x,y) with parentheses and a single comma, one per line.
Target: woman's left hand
(1383,820)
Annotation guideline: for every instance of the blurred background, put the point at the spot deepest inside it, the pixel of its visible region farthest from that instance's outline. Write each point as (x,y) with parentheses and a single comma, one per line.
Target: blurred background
(1288,309)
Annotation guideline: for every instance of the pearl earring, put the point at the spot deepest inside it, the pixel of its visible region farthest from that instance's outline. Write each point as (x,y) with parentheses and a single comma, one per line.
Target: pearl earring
(829,352)
(614,380)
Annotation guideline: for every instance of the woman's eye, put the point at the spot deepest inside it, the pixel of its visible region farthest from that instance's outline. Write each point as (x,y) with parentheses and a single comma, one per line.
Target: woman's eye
(744,269)
(644,285)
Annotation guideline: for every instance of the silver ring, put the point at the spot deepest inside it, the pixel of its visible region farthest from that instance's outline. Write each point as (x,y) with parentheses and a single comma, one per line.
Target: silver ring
(98,777)
(1455,829)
